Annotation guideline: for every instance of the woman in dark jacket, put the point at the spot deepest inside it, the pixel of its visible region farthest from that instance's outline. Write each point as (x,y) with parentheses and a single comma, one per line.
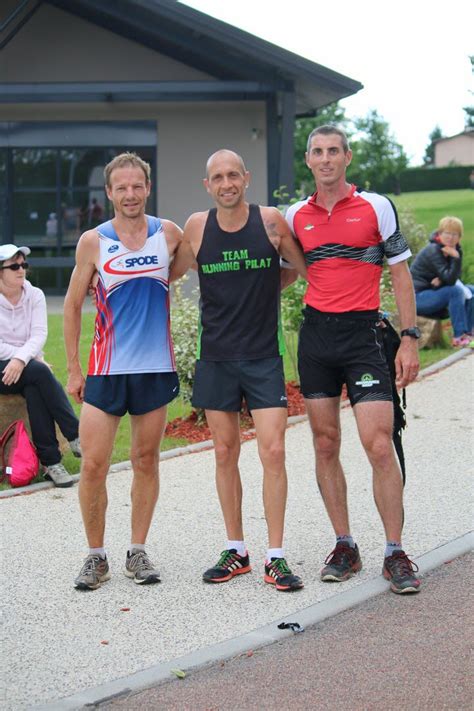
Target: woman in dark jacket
(436,273)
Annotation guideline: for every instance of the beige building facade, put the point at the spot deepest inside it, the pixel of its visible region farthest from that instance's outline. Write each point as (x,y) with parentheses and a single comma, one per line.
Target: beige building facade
(455,150)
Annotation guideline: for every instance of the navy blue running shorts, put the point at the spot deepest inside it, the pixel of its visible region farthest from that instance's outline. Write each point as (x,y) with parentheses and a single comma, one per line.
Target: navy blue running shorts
(223,385)
(136,393)
(343,348)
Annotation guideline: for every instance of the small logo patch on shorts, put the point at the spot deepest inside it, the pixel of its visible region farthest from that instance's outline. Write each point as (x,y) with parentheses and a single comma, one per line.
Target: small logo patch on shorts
(367,380)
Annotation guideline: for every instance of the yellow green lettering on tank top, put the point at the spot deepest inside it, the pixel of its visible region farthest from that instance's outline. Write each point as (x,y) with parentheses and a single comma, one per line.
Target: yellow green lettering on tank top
(236,260)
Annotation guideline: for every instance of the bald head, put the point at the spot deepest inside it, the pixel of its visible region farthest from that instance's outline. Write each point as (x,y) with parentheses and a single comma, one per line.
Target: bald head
(225,154)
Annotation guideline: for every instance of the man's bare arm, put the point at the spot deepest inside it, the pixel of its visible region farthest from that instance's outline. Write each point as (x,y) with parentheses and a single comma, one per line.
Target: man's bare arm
(173,235)
(407,360)
(280,236)
(287,277)
(86,258)
(185,257)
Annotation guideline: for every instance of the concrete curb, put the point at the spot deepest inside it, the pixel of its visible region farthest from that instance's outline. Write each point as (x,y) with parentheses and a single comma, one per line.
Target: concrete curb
(208,444)
(268,634)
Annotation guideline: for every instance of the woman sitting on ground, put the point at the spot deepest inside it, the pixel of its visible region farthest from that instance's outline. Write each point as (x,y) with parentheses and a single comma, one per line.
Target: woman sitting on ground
(23,332)
(436,273)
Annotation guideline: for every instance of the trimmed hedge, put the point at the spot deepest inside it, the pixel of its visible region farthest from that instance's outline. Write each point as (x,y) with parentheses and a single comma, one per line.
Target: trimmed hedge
(451,178)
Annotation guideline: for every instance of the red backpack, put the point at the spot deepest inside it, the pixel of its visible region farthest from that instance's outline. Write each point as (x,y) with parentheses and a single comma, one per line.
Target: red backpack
(20,463)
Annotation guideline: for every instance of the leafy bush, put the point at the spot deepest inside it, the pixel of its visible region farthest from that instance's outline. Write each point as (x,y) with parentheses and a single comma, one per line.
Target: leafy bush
(450,178)
(292,296)
(184,331)
(291,317)
(417,238)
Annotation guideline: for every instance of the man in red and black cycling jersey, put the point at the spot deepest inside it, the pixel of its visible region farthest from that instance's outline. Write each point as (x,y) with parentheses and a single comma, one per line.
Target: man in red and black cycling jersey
(345,233)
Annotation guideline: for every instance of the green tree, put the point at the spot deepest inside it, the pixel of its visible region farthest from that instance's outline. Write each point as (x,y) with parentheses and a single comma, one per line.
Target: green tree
(332,114)
(428,158)
(469,110)
(378,159)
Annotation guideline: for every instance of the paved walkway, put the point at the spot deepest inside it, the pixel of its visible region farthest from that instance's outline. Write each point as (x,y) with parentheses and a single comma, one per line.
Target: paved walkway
(54,635)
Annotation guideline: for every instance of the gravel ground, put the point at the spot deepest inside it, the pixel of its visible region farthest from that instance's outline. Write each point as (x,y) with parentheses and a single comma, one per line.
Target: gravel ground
(53,635)
(369,658)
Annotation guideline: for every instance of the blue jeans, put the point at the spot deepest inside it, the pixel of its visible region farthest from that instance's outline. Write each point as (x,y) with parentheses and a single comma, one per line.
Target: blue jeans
(460,309)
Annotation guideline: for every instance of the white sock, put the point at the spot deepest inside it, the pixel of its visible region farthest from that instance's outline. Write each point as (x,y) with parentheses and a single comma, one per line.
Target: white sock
(275,553)
(239,546)
(98,551)
(137,547)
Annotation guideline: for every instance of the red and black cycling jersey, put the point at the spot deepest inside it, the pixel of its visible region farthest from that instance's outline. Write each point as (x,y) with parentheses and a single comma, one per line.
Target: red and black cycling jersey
(345,248)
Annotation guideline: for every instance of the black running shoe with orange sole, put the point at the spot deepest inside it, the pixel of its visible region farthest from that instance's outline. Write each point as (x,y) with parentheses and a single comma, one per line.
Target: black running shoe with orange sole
(228,566)
(400,570)
(341,564)
(278,573)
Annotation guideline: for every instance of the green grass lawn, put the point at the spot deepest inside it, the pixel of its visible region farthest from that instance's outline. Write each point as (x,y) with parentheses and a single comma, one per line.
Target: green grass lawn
(430,207)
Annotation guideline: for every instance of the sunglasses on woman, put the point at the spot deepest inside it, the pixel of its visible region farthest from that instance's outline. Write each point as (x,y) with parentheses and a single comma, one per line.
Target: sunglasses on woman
(17,266)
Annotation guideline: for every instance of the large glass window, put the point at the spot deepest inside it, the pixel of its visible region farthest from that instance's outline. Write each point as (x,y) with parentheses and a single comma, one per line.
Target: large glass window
(3,191)
(57,194)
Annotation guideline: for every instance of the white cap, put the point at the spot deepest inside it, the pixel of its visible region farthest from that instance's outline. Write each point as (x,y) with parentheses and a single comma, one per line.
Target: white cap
(7,251)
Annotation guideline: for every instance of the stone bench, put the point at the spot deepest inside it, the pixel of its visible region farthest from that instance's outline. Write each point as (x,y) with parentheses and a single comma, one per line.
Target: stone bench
(431,332)
(431,328)
(13,407)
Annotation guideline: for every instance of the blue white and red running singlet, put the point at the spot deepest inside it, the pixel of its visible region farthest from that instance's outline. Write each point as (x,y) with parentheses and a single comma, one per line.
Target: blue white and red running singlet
(132,327)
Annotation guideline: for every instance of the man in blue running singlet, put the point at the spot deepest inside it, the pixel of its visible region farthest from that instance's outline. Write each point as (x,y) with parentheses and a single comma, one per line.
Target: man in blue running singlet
(131,364)
(237,249)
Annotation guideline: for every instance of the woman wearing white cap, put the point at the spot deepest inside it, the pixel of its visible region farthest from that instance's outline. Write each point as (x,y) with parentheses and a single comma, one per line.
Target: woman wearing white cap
(23,332)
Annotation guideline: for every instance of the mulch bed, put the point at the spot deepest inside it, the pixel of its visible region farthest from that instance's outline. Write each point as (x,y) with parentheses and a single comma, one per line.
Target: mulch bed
(194,430)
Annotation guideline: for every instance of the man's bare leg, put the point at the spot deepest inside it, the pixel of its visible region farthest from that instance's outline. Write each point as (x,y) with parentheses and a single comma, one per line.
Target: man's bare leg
(225,433)
(96,454)
(147,433)
(326,428)
(375,424)
(324,417)
(270,425)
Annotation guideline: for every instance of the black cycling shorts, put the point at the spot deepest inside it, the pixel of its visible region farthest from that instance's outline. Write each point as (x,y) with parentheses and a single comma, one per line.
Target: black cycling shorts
(343,348)
(223,385)
(137,393)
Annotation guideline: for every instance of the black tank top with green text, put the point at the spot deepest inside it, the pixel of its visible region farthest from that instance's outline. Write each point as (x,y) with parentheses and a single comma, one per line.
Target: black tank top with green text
(239,277)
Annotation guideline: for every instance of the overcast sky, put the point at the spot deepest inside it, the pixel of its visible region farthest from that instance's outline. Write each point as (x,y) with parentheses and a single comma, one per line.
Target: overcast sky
(412,56)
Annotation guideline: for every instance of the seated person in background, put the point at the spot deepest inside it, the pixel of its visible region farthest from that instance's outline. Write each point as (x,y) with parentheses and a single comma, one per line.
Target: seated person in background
(436,273)
(23,332)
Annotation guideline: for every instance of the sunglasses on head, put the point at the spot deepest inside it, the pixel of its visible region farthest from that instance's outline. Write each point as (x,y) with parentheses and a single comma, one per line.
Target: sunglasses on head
(17,266)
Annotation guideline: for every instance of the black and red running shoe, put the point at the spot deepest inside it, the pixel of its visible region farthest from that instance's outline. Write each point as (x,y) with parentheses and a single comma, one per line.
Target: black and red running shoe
(277,573)
(400,570)
(341,564)
(229,564)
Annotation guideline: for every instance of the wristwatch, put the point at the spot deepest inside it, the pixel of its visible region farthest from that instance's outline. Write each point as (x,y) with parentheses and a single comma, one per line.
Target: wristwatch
(413,332)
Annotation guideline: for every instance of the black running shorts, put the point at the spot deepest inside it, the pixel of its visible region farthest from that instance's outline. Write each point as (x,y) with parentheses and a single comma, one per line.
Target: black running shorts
(137,393)
(343,348)
(223,385)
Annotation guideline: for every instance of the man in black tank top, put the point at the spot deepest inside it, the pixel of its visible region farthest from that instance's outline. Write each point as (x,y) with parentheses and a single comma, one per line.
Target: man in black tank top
(237,249)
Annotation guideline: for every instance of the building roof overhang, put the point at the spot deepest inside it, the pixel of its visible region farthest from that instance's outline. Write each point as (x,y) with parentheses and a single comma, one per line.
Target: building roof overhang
(243,65)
